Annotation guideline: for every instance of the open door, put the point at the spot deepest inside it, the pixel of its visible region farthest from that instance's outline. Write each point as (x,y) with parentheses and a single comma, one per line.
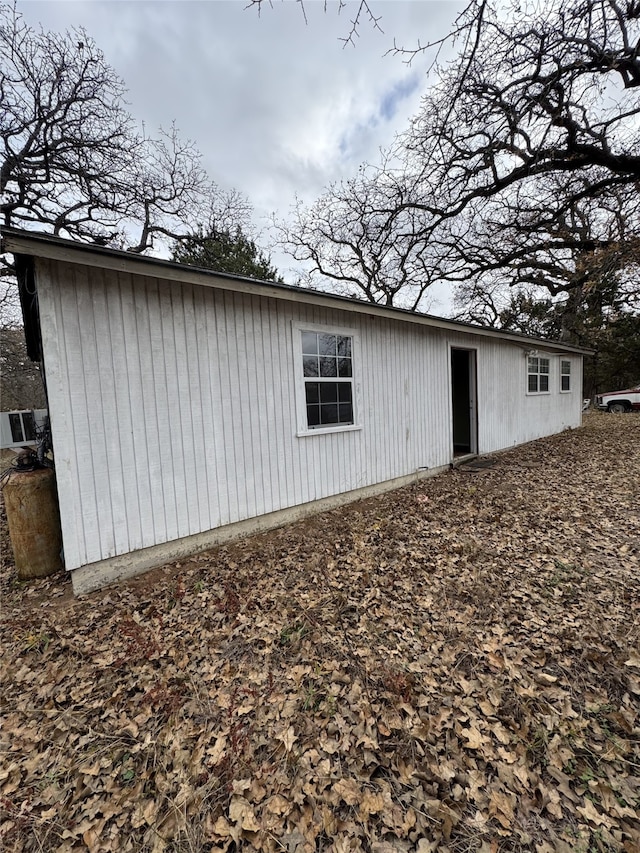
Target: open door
(463,399)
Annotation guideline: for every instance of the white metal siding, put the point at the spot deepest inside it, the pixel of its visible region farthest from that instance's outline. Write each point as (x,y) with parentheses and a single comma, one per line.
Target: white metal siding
(173,406)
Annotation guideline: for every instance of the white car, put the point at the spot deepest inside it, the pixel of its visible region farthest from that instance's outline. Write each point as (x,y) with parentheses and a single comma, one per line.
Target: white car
(620,401)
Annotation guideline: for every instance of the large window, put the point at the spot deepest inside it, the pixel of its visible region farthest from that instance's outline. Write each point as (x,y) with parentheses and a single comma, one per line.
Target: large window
(565,376)
(538,375)
(327,367)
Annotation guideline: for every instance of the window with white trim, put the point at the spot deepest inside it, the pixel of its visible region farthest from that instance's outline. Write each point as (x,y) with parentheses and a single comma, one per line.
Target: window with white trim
(565,375)
(537,375)
(327,368)
(22,426)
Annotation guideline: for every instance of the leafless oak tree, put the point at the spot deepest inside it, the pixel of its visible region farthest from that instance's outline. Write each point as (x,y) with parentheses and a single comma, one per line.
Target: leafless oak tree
(555,93)
(347,238)
(72,161)
(522,166)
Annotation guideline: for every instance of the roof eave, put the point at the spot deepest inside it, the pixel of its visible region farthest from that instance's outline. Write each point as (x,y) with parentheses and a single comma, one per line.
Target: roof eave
(35,244)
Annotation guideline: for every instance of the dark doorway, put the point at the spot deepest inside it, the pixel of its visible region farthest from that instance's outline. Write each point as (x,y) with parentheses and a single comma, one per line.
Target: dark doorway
(463,381)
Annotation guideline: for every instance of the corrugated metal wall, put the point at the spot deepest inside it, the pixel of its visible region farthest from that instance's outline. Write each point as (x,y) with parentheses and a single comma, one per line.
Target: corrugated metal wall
(173,407)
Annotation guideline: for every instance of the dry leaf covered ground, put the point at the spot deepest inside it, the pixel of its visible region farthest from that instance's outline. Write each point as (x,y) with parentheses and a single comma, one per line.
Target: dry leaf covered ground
(450,667)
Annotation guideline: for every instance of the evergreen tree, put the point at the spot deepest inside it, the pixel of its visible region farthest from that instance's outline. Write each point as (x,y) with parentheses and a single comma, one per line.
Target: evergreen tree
(227,251)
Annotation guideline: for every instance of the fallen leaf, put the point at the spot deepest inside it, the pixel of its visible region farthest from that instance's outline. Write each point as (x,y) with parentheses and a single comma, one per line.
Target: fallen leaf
(474,737)
(501,807)
(371,803)
(348,791)
(589,811)
(241,813)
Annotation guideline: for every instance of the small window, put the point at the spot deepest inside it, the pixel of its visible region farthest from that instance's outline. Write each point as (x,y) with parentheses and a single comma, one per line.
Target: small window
(565,376)
(327,367)
(538,375)
(23,427)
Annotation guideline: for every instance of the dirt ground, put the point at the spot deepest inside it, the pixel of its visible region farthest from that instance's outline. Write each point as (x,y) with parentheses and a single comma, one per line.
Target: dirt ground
(451,667)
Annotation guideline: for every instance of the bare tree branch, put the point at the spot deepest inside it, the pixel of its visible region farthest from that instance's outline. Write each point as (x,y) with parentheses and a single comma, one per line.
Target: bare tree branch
(71,158)
(364,12)
(523,164)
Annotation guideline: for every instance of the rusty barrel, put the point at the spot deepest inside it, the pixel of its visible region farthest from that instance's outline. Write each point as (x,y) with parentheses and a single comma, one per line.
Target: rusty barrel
(33,517)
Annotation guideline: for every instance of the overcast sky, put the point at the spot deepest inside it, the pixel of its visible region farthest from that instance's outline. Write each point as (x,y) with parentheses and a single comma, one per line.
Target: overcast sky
(276,106)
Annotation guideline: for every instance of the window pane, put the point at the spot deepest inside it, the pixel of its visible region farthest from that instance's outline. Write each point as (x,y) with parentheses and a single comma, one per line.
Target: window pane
(544,365)
(328,366)
(533,365)
(344,346)
(329,402)
(327,345)
(329,392)
(29,427)
(344,367)
(346,413)
(533,382)
(566,383)
(344,392)
(329,413)
(16,428)
(310,365)
(309,343)
(544,382)
(312,392)
(566,367)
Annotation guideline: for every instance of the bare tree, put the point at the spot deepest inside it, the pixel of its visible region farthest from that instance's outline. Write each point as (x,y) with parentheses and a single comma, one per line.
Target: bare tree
(21,385)
(523,165)
(527,239)
(555,93)
(72,161)
(346,240)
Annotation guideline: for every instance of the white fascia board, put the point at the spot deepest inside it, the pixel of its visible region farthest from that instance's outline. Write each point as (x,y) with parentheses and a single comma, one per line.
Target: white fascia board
(65,251)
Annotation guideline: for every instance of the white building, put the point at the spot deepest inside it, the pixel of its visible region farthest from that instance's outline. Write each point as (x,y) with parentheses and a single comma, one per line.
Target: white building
(189,407)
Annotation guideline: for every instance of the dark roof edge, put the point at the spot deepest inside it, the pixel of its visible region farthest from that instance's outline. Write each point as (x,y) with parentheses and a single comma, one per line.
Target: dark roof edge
(21,242)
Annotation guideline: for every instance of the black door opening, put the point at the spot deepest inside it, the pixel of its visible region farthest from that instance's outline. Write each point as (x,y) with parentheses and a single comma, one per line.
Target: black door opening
(463,401)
